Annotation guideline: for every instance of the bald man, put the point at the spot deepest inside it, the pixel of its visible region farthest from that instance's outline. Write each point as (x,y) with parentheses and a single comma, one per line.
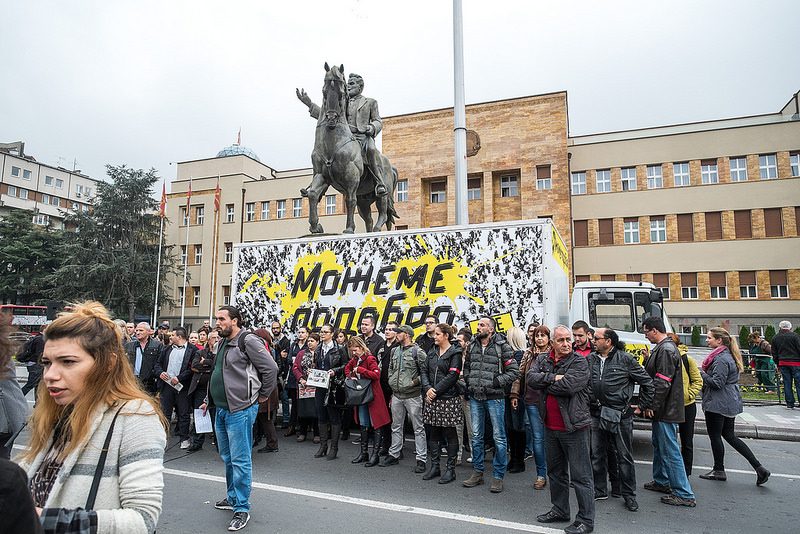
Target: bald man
(143,352)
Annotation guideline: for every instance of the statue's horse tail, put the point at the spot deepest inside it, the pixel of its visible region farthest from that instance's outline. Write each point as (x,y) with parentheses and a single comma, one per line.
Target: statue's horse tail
(391,214)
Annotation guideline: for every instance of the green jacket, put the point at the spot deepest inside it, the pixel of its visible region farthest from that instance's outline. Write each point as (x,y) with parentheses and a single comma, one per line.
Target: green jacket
(404,366)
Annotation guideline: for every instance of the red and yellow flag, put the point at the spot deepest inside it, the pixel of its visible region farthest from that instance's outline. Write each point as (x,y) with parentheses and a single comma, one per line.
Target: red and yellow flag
(163,206)
(216,196)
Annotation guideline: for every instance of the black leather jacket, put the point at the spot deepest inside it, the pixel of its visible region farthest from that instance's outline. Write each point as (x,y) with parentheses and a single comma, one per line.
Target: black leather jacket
(664,366)
(614,387)
(571,392)
(441,373)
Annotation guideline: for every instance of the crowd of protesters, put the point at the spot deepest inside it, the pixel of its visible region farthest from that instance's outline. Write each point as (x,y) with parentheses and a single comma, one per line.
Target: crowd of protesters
(561,400)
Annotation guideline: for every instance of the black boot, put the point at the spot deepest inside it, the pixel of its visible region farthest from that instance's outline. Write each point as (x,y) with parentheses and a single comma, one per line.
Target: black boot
(374,457)
(363,455)
(449,474)
(323,441)
(434,452)
(386,440)
(333,444)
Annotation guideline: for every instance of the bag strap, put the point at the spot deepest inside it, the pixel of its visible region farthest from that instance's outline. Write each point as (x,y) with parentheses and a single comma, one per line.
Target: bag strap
(101,463)
(686,364)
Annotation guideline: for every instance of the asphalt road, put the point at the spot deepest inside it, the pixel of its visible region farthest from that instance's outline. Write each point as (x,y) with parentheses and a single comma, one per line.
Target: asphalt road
(293,492)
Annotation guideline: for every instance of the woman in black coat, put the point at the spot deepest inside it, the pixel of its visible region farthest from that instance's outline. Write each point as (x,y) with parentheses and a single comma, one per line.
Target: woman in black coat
(442,410)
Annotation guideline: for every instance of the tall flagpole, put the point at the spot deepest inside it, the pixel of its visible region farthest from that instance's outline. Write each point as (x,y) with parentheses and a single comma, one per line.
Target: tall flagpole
(460,127)
(215,260)
(162,207)
(186,263)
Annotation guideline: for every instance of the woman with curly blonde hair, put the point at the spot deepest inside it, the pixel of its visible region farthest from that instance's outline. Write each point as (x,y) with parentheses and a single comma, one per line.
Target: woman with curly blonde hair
(90,400)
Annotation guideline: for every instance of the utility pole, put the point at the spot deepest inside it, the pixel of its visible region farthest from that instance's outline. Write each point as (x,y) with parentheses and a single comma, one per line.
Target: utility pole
(460,127)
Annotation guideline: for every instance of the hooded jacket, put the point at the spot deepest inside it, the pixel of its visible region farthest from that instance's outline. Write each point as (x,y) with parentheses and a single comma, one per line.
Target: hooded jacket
(489,370)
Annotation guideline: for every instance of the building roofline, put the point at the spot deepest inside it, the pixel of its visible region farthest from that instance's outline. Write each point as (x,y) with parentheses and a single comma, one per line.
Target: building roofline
(31,159)
(221,157)
(475,104)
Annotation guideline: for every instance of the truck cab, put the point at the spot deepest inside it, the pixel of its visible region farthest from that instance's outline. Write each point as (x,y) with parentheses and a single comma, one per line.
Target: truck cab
(622,306)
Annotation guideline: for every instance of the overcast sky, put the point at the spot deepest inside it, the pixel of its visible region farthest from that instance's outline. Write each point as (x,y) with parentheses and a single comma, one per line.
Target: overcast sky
(147,83)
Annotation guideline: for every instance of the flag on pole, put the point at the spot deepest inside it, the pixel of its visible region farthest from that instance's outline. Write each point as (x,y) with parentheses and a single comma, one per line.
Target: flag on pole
(162,208)
(189,194)
(216,196)
(239,136)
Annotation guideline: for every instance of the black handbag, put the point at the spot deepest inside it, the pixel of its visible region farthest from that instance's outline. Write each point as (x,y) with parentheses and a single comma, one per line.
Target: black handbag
(358,391)
(610,419)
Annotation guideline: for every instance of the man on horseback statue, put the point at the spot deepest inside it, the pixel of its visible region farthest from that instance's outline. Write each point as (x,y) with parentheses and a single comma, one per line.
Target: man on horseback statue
(365,123)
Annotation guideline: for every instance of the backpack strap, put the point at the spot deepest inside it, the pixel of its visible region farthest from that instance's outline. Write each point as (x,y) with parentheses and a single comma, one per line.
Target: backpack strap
(685,360)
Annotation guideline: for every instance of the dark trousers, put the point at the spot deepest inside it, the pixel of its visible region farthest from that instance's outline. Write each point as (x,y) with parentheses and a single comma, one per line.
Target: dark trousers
(265,426)
(34,377)
(195,401)
(293,412)
(568,456)
(686,432)
(326,414)
(516,446)
(622,460)
(719,427)
(179,401)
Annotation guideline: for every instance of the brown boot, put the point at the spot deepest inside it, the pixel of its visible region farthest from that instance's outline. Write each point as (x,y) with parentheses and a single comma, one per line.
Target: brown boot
(476,479)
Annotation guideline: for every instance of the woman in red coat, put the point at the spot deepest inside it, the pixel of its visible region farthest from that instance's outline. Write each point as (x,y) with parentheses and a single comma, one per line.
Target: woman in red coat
(374,415)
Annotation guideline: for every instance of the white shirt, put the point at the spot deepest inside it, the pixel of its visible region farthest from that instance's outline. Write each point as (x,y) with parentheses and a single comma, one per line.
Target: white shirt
(175,360)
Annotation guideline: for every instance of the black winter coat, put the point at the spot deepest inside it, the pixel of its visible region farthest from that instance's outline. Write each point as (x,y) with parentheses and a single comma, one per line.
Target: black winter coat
(571,392)
(614,388)
(488,372)
(441,373)
(664,366)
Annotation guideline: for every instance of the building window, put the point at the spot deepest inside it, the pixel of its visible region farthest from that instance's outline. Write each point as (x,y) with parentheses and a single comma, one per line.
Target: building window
(78,190)
(689,286)
(48,180)
(23,194)
(544,180)
(768,166)
(230,213)
(181,294)
(228,253)
(580,233)
(713,226)
(15,171)
(603,181)
(438,191)
(41,219)
(85,208)
(628,175)
(743,224)
(330,204)
(265,210)
(474,186)
(184,216)
(45,199)
(606,231)
(59,183)
(685,227)
(88,191)
(55,201)
(402,191)
(280,211)
(195,296)
(631,233)
(658,230)
(26,174)
(681,173)
(183,254)
(718,285)
(738,169)
(578,183)
(794,163)
(655,178)
(747,285)
(297,207)
(773,225)
(12,191)
(198,254)
(226,295)
(509,186)
(661,281)
(778,286)
(250,212)
(199,214)
(708,171)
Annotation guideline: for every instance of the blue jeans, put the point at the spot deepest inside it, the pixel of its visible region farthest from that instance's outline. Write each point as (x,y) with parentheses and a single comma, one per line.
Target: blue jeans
(235,441)
(496,409)
(789,375)
(668,468)
(285,405)
(363,416)
(537,434)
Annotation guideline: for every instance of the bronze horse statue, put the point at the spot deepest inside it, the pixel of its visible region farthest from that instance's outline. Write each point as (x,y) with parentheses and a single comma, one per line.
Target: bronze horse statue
(338,162)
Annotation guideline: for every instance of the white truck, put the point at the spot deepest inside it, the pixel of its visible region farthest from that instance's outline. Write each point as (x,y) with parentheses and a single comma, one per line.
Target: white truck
(516,273)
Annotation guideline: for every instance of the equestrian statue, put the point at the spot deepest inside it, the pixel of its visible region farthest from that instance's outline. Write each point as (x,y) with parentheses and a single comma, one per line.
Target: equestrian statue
(345,156)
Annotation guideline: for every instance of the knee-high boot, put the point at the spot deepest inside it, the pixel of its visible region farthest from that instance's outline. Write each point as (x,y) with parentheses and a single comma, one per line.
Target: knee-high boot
(363,455)
(449,474)
(323,441)
(434,453)
(374,457)
(333,443)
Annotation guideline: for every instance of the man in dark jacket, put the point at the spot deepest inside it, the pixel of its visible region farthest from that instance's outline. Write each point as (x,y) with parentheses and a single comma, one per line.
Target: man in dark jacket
(281,344)
(664,366)
(425,339)
(174,369)
(563,377)
(143,353)
(490,368)
(786,353)
(613,374)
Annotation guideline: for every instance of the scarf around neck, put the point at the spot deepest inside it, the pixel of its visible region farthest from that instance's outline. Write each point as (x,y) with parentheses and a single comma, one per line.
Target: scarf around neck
(710,358)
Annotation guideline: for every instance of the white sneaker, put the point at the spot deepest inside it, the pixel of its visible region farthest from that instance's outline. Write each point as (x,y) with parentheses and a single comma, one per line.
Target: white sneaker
(185,444)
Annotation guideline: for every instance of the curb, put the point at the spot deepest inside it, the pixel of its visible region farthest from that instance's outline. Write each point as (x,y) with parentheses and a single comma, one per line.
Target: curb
(743,430)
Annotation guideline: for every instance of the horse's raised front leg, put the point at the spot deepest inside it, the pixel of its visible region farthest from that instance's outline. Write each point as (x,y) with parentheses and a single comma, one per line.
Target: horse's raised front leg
(315,192)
